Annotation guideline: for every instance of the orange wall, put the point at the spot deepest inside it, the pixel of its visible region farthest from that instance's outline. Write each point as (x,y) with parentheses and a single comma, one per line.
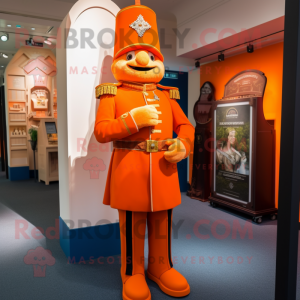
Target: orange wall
(268,60)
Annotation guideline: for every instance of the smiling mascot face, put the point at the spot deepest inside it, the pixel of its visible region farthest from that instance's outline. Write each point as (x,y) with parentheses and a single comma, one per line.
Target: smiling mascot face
(138,66)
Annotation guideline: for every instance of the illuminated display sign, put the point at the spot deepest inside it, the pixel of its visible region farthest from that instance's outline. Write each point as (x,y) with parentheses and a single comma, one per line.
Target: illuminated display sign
(171,75)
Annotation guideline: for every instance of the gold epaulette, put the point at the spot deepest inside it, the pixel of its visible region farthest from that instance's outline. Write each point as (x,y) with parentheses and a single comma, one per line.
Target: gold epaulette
(107,89)
(173,91)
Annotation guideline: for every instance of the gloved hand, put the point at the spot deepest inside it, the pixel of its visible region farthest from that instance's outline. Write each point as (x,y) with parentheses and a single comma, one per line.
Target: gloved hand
(145,116)
(176,151)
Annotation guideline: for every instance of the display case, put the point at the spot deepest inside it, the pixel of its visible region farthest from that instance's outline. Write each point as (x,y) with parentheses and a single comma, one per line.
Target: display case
(17,121)
(244,148)
(29,82)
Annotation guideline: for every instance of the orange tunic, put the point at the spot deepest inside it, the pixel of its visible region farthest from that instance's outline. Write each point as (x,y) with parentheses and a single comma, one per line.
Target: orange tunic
(139,180)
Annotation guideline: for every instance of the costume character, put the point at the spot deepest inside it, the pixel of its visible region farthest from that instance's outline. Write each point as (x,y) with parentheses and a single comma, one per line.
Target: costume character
(139,116)
(233,160)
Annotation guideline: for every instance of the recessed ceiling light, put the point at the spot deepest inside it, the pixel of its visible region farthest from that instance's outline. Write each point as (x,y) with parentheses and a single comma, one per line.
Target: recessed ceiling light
(18,26)
(5,56)
(4,37)
(2,66)
(8,25)
(32,28)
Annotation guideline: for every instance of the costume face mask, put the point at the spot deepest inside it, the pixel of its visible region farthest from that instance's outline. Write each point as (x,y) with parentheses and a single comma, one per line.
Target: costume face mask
(138,66)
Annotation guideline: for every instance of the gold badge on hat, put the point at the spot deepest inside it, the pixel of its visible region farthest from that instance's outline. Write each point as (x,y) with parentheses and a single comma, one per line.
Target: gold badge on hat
(140,26)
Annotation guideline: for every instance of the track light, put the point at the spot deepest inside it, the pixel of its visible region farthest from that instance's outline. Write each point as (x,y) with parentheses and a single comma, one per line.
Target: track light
(250,48)
(4,37)
(47,42)
(50,29)
(197,64)
(4,55)
(221,57)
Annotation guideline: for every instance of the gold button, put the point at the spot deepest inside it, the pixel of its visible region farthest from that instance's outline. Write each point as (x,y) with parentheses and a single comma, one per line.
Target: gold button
(124,115)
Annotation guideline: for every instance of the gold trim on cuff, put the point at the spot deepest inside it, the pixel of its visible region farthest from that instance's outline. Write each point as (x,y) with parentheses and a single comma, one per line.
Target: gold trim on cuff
(125,124)
(156,131)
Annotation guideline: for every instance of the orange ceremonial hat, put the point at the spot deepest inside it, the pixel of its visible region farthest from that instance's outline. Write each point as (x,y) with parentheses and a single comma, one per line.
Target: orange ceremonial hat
(136,29)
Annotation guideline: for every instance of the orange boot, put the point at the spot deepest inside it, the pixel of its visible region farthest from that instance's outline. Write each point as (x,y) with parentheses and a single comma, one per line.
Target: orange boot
(160,266)
(132,232)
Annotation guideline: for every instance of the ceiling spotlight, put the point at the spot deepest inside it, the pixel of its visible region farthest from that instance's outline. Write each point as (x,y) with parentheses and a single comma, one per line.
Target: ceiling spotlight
(32,28)
(250,48)
(2,66)
(221,57)
(4,55)
(47,42)
(8,25)
(197,64)
(4,37)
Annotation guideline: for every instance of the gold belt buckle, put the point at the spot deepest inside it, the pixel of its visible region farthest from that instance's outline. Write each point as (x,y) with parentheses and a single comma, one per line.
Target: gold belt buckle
(152,146)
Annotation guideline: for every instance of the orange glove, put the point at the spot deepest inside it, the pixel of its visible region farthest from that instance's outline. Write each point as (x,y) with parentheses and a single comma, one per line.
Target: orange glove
(145,116)
(176,151)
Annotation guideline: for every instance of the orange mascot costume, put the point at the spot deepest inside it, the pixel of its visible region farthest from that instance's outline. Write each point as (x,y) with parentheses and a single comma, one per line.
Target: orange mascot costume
(139,116)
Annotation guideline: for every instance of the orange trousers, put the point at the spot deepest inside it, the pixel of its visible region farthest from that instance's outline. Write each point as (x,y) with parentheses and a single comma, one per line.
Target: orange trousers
(133,230)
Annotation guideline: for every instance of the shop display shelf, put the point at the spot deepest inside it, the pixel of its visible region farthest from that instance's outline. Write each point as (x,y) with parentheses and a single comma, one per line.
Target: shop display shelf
(23,147)
(17,123)
(41,118)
